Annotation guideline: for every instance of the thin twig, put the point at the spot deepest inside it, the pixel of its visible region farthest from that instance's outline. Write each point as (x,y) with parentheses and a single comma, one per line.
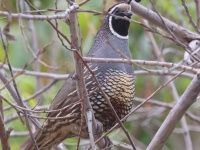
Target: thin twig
(181,33)
(137,72)
(4,135)
(190,16)
(197,12)
(40,17)
(35,94)
(142,62)
(18,100)
(174,92)
(80,83)
(35,46)
(187,99)
(37,74)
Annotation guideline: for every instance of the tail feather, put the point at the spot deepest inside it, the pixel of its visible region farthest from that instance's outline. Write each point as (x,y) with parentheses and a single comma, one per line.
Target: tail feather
(47,139)
(28,143)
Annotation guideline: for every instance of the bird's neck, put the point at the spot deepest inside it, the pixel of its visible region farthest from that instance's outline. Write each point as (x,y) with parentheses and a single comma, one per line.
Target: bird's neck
(103,36)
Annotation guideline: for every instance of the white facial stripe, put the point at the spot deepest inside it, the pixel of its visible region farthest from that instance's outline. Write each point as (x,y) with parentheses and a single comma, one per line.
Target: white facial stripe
(110,24)
(112,30)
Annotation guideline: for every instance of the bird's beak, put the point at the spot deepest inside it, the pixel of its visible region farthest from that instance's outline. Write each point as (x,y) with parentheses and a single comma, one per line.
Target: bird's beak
(128,14)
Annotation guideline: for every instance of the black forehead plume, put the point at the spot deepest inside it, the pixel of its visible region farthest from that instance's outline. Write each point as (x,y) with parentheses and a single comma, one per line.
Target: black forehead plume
(115,5)
(135,0)
(122,6)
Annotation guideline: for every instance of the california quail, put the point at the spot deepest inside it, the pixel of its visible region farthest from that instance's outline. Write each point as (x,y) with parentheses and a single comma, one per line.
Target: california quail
(116,79)
(194,56)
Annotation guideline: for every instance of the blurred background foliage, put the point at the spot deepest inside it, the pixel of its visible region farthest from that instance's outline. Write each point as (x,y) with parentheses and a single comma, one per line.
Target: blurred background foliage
(144,123)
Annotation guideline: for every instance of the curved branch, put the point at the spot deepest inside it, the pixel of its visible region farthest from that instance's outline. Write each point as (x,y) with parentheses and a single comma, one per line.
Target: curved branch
(181,33)
(40,17)
(187,99)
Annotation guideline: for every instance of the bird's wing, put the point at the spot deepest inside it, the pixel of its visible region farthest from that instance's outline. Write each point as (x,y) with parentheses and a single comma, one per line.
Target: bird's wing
(66,97)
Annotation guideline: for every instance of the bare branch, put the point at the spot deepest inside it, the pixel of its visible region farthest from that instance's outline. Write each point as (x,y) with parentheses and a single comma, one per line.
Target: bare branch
(137,72)
(11,90)
(181,33)
(40,17)
(80,82)
(142,62)
(197,12)
(157,52)
(19,99)
(186,100)
(190,17)
(4,135)
(37,74)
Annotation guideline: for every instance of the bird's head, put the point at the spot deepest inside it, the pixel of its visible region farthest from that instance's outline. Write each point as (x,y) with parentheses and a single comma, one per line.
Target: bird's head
(117,17)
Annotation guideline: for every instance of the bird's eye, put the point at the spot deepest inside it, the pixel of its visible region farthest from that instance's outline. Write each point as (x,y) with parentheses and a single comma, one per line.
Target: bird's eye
(117,11)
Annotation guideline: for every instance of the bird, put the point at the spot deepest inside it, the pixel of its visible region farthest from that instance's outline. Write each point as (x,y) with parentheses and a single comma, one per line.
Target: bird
(192,58)
(116,80)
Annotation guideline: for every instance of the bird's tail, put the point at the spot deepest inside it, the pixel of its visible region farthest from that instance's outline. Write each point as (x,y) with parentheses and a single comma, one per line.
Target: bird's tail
(28,144)
(44,140)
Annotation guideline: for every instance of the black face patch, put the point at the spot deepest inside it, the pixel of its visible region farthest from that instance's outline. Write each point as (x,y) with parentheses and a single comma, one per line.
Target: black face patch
(120,26)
